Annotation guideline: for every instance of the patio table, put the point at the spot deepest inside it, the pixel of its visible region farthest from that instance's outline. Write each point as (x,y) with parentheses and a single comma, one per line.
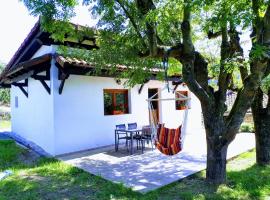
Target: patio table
(131,132)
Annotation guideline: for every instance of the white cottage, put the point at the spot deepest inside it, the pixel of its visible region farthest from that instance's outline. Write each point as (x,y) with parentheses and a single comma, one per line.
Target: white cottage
(57,106)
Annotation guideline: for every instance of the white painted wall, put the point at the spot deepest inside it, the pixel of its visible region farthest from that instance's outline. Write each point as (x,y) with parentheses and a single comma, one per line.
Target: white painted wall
(75,120)
(33,118)
(80,122)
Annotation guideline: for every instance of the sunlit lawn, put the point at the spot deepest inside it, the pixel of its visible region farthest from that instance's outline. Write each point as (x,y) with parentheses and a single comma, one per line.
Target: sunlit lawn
(5,124)
(45,178)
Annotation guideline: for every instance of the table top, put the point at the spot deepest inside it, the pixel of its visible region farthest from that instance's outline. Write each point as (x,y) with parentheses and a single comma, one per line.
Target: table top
(138,129)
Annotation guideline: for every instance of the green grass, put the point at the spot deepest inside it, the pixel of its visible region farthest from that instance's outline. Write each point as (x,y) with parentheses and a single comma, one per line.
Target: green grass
(5,124)
(45,178)
(247,127)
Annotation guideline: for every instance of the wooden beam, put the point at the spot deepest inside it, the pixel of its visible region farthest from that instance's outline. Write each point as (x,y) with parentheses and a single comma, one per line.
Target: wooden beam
(24,84)
(40,77)
(29,51)
(61,87)
(22,77)
(47,88)
(5,85)
(21,86)
(62,76)
(24,91)
(38,62)
(45,77)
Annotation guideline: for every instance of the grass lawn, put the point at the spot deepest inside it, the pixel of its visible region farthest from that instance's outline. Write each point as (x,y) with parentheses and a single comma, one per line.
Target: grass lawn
(4,124)
(43,178)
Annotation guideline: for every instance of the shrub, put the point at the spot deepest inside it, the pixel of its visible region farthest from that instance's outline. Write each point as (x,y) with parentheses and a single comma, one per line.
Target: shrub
(247,127)
(6,116)
(5,96)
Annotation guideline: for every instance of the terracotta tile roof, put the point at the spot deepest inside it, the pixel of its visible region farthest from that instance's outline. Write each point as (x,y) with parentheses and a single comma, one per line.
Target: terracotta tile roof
(72,61)
(62,60)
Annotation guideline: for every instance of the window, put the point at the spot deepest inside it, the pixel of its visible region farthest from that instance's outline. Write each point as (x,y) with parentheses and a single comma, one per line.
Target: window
(180,104)
(16,102)
(115,102)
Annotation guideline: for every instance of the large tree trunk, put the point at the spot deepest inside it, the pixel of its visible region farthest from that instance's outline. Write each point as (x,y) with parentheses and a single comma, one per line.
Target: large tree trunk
(216,162)
(217,146)
(261,118)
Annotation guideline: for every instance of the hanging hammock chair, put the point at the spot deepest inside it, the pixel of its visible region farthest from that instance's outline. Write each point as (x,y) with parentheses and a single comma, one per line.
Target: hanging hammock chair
(168,141)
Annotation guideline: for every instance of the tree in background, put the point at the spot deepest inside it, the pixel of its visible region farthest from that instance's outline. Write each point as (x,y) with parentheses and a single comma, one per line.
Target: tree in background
(4,93)
(261,104)
(261,117)
(140,32)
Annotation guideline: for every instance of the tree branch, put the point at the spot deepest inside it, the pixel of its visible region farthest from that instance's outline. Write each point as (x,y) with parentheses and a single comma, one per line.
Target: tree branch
(266,27)
(189,58)
(128,14)
(186,29)
(259,68)
(238,51)
(145,6)
(224,76)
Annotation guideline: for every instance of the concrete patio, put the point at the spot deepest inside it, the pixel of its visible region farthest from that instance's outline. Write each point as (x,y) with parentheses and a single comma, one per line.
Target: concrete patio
(151,170)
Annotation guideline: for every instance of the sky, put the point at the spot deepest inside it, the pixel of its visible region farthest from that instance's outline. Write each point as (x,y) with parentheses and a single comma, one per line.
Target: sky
(16,23)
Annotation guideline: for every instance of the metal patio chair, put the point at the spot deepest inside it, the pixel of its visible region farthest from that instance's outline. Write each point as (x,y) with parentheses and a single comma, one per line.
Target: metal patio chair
(121,135)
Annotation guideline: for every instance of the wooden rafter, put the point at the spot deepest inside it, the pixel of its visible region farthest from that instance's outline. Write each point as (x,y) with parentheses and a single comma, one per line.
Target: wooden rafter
(21,85)
(43,79)
(62,76)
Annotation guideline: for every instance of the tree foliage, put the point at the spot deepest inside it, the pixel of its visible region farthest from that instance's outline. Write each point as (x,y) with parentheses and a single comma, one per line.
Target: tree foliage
(4,93)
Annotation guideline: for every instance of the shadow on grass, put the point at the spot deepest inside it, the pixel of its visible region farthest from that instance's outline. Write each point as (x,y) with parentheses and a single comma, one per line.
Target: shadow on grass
(250,183)
(254,181)
(52,179)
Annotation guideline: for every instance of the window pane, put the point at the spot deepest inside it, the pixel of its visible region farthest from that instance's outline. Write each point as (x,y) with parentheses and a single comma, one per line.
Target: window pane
(120,102)
(108,103)
(179,104)
(115,101)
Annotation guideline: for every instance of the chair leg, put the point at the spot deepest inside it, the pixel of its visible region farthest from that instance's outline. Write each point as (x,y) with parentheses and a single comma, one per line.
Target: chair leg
(127,145)
(117,143)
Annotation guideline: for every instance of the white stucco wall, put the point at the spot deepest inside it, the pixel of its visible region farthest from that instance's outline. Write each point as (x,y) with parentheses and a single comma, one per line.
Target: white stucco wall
(33,118)
(75,120)
(80,122)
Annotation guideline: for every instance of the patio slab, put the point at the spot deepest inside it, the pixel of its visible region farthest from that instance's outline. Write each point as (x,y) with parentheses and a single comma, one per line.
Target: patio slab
(151,170)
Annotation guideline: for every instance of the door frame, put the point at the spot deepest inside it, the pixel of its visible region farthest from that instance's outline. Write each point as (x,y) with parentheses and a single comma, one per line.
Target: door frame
(157,90)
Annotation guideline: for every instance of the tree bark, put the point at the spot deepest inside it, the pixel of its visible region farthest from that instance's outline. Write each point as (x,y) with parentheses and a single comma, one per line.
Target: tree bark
(216,144)
(261,117)
(262,129)
(216,162)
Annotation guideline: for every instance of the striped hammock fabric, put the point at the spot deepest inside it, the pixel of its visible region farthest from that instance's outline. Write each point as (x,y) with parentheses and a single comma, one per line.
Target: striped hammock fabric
(168,140)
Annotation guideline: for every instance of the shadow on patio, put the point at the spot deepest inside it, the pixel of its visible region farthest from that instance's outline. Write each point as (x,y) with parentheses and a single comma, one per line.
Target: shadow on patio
(151,170)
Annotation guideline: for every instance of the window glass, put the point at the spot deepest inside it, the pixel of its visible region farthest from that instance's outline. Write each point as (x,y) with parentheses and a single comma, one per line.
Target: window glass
(108,103)
(180,104)
(115,102)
